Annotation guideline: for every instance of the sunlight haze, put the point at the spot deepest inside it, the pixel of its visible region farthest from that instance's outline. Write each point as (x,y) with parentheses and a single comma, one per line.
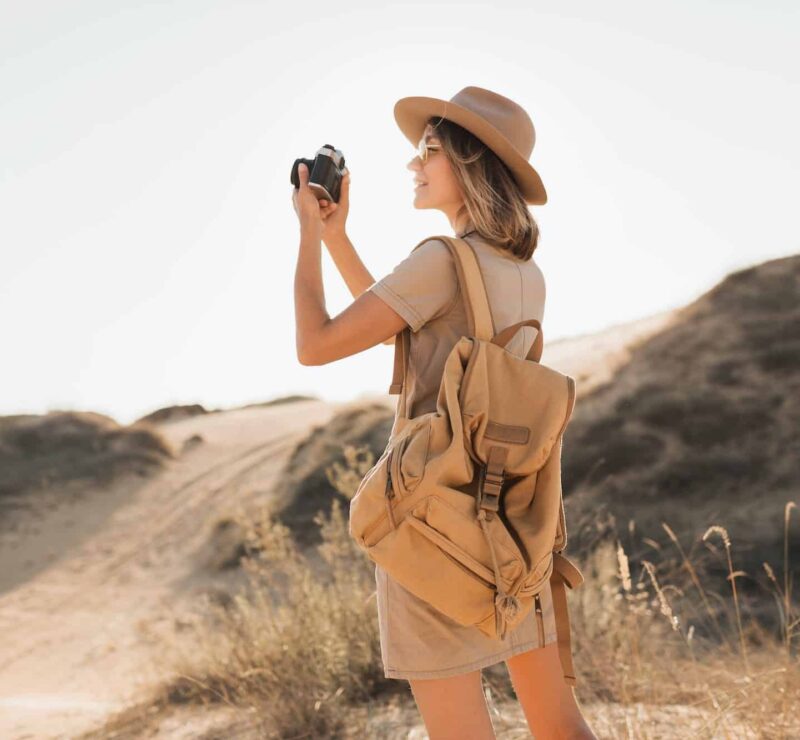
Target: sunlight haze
(148,241)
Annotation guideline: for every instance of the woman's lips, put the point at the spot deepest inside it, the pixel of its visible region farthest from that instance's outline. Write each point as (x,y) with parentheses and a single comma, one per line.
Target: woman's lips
(420,185)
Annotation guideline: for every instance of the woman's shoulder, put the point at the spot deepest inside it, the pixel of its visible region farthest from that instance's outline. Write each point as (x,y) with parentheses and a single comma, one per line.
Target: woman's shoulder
(423,286)
(432,248)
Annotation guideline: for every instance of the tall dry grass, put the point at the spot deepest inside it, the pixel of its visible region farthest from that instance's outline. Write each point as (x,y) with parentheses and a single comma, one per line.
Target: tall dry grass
(663,641)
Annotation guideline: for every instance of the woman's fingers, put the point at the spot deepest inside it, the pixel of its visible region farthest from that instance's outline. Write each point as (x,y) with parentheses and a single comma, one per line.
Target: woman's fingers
(302,175)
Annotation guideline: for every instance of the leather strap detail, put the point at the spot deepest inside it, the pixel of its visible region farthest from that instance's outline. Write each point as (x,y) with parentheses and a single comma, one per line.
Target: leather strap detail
(507,433)
(502,338)
(401,342)
(564,574)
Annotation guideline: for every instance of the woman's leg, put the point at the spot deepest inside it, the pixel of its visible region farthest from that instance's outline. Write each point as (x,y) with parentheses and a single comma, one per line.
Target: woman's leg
(453,708)
(548,702)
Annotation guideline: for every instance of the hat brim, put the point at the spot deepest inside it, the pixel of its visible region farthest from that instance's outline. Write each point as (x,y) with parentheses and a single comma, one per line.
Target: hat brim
(412,114)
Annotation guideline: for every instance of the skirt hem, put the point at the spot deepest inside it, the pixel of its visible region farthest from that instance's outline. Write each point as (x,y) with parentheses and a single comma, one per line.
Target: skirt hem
(468,667)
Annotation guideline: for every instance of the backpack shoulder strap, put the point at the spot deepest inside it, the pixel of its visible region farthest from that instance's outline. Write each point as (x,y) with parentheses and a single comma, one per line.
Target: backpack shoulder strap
(476,302)
(402,345)
(473,287)
(402,352)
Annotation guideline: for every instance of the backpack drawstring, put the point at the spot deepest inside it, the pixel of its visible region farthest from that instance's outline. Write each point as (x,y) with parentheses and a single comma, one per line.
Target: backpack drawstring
(506,605)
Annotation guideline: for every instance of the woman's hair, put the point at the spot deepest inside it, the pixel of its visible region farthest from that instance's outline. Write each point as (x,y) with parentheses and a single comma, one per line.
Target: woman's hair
(492,198)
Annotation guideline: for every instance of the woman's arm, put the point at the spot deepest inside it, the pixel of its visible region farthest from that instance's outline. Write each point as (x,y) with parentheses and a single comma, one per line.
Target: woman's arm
(320,339)
(352,269)
(367,321)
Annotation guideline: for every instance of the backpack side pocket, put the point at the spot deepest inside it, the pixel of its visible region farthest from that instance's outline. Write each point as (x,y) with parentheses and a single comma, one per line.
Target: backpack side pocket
(414,456)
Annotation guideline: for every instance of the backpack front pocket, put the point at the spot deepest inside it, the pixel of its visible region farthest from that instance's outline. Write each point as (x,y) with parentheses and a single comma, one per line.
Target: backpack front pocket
(462,558)
(462,537)
(413,558)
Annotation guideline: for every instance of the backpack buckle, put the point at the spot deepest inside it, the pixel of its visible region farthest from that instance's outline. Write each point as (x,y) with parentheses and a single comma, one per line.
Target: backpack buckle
(491,480)
(491,484)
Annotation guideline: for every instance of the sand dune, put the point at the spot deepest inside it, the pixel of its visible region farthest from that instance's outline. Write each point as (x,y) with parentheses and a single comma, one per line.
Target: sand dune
(701,425)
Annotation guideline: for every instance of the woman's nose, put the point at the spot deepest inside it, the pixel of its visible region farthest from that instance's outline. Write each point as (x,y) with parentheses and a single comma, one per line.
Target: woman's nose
(413,165)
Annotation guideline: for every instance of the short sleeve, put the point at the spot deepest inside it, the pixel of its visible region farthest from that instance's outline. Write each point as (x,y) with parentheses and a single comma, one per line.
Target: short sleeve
(421,287)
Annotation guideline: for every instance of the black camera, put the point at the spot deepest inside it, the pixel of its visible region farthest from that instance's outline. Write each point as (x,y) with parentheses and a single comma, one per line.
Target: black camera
(325,173)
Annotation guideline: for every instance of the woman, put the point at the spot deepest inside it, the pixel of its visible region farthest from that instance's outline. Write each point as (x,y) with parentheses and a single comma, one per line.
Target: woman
(472,164)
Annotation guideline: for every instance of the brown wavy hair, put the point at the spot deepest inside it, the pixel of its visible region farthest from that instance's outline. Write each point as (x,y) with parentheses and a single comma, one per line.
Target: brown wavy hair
(492,198)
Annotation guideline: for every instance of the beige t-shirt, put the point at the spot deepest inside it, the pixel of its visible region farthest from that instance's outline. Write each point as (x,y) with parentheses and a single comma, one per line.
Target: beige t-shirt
(425,291)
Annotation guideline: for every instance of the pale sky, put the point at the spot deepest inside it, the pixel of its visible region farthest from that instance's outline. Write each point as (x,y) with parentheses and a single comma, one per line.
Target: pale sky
(148,242)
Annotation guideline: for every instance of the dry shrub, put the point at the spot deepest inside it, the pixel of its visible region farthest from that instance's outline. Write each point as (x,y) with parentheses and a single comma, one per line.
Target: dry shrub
(300,643)
(59,448)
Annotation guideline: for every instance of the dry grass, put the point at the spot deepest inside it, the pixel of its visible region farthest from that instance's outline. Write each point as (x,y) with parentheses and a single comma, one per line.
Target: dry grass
(662,651)
(667,635)
(293,651)
(299,644)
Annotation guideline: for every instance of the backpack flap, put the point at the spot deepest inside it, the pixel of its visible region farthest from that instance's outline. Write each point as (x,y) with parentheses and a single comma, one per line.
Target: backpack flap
(523,406)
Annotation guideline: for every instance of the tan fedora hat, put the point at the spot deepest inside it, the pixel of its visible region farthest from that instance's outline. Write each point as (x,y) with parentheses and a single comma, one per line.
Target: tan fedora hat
(497,121)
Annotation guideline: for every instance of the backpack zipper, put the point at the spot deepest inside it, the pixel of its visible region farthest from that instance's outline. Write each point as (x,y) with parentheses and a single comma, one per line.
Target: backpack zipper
(539,618)
(390,490)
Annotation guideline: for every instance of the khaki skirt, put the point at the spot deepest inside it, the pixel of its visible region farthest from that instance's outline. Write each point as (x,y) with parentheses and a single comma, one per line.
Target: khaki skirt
(419,641)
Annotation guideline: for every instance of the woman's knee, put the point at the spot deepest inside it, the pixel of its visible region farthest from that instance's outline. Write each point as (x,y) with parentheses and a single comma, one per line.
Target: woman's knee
(454,708)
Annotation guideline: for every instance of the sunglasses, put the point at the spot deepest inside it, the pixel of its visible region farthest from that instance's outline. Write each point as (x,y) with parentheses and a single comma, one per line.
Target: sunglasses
(423,147)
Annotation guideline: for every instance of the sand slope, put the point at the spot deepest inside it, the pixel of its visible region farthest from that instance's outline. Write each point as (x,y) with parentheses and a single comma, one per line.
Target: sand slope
(77,635)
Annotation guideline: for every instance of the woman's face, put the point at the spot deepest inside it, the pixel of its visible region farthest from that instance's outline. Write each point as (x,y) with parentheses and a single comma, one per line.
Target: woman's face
(436,186)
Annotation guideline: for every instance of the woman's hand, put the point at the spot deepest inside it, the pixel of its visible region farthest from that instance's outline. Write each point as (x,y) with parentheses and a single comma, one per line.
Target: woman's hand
(334,215)
(327,219)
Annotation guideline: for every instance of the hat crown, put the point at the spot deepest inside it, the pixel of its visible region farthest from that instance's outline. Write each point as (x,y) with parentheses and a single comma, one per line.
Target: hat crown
(509,118)
(500,123)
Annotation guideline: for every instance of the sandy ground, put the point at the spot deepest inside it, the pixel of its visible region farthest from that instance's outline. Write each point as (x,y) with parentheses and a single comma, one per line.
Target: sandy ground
(91,583)
(77,634)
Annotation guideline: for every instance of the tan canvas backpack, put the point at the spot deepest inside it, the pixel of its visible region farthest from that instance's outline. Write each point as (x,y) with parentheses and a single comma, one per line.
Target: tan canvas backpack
(464,507)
